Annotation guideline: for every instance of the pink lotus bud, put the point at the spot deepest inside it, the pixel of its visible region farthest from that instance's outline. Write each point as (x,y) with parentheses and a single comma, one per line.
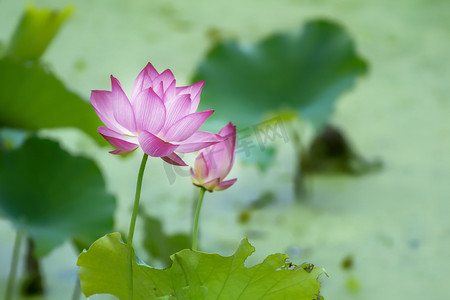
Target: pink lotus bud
(161,117)
(214,163)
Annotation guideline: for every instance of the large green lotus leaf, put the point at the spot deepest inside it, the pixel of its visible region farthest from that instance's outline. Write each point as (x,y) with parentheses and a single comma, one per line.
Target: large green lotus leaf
(53,195)
(35,31)
(305,71)
(31,97)
(196,275)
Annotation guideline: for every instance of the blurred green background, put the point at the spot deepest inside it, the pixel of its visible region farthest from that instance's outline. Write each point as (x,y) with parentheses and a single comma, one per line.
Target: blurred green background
(384,235)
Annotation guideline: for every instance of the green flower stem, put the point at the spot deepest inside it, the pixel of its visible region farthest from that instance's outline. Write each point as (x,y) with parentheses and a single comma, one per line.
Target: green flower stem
(15,261)
(301,153)
(197,215)
(132,226)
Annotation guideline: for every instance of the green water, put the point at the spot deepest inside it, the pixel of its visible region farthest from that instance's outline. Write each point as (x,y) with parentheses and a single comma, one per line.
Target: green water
(394,223)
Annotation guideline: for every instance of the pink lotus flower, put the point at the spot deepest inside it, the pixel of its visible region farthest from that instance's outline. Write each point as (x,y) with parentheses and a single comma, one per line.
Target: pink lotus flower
(159,117)
(214,163)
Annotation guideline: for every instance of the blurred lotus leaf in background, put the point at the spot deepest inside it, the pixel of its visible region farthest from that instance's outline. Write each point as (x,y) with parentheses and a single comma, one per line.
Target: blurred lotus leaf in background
(35,31)
(53,195)
(31,97)
(159,244)
(306,71)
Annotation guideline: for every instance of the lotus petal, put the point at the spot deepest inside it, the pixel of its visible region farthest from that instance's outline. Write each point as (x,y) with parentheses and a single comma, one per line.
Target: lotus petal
(177,109)
(187,126)
(150,111)
(154,146)
(198,141)
(174,159)
(114,109)
(124,144)
(223,185)
(214,163)
(144,80)
(193,90)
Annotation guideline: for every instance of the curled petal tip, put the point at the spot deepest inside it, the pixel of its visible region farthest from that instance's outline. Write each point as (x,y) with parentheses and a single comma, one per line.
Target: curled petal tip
(113,79)
(228,130)
(123,143)
(225,184)
(121,152)
(174,159)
